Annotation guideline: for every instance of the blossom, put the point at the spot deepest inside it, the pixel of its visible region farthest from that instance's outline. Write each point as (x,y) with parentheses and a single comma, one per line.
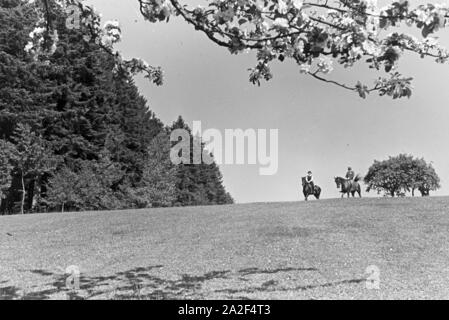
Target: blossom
(299,46)
(371,6)
(281,22)
(325,65)
(29,46)
(298,4)
(372,25)
(370,48)
(282,7)
(355,53)
(347,21)
(304,68)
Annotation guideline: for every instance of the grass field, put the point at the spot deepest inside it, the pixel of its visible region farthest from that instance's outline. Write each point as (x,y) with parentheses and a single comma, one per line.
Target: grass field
(314,250)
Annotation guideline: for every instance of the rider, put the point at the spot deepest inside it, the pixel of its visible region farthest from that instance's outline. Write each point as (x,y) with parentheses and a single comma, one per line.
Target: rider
(350,175)
(309,179)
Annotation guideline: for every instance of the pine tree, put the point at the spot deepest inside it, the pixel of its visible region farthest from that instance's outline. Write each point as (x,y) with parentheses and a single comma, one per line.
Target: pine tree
(23,96)
(157,185)
(198,184)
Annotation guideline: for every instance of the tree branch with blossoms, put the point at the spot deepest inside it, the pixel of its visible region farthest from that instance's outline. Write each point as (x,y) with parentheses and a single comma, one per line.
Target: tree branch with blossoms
(44,38)
(317,34)
(313,34)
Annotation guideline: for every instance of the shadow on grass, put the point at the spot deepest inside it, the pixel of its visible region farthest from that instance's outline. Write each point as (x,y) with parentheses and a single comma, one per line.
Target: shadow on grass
(144,284)
(270,286)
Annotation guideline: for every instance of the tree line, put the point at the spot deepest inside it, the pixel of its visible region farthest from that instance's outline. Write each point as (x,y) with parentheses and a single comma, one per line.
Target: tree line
(75,134)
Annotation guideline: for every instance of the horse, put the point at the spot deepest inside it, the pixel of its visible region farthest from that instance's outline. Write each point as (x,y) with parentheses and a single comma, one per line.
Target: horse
(307,190)
(349,187)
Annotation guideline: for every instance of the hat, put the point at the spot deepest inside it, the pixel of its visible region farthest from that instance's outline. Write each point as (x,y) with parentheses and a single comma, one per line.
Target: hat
(349,168)
(310,172)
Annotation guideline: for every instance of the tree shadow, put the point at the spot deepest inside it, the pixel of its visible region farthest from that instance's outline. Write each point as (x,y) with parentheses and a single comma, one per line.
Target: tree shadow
(7,293)
(250,271)
(145,283)
(270,286)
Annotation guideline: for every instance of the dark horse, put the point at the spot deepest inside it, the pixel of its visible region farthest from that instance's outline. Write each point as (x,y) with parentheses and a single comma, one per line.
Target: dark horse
(307,190)
(349,187)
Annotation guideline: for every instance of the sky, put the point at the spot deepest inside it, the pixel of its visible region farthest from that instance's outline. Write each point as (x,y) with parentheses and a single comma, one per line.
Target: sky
(322,128)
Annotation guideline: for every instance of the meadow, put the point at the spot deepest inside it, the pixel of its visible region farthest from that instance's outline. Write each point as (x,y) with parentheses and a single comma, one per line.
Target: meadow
(297,250)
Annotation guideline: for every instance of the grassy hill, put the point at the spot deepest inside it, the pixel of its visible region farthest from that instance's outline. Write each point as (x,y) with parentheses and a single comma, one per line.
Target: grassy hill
(314,250)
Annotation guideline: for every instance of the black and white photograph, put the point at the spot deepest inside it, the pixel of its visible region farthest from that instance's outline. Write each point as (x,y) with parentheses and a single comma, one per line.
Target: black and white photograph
(234,151)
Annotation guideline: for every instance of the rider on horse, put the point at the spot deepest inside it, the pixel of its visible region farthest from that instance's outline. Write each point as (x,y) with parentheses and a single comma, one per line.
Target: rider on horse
(350,175)
(309,188)
(309,179)
(350,184)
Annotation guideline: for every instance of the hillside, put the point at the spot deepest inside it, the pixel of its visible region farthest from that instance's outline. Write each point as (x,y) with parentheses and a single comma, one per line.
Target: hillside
(315,250)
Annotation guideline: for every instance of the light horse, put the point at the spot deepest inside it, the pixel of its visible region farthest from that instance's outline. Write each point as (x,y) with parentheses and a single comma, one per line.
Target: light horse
(307,190)
(349,187)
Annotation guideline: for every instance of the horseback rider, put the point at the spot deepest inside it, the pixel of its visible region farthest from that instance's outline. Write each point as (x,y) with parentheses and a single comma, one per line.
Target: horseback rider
(309,179)
(350,175)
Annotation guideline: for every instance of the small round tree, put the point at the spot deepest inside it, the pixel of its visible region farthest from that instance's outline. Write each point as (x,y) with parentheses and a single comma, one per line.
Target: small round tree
(402,173)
